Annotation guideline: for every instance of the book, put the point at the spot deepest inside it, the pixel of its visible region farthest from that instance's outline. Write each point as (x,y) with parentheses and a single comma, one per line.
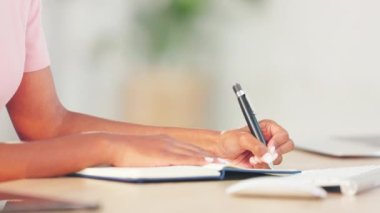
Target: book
(178,173)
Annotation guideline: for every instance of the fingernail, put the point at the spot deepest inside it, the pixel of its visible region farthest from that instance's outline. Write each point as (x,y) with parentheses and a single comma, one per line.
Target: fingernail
(209,159)
(267,158)
(272,149)
(223,161)
(275,156)
(253,161)
(257,159)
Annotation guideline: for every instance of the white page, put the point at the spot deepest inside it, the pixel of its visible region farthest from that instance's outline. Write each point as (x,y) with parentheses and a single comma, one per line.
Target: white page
(150,172)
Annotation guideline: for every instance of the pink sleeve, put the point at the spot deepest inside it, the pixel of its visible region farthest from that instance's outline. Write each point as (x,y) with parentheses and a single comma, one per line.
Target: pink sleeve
(37,56)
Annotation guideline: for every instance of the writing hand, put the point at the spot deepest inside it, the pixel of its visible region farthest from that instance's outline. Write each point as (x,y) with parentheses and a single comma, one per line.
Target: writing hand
(243,149)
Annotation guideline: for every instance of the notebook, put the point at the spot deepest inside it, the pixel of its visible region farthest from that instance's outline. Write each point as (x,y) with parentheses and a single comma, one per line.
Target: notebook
(177,173)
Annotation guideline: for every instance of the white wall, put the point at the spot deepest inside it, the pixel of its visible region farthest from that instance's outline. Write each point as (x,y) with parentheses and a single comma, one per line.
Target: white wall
(310,64)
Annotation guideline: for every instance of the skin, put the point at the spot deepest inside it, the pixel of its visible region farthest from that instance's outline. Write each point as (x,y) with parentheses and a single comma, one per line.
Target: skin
(58,141)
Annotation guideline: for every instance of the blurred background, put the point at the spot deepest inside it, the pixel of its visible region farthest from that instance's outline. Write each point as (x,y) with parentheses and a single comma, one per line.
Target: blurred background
(311,65)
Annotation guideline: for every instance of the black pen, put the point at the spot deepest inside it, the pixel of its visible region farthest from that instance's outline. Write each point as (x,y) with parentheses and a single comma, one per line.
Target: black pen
(249,114)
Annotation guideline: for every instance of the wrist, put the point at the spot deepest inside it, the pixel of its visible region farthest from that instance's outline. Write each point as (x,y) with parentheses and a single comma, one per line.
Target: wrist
(214,142)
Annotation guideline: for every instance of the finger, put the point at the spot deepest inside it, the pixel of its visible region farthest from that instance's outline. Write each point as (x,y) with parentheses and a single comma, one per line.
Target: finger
(250,143)
(286,147)
(278,160)
(179,159)
(240,158)
(191,153)
(243,160)
(261,166)
(275,134)
(270,128)
(279,139)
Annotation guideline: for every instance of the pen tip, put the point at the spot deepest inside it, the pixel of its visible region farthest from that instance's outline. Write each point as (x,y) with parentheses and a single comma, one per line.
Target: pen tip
(237,87)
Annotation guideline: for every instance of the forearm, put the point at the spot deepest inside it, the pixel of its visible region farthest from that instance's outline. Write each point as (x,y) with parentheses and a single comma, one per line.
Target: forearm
(63,156)
(37,114)
(76,122)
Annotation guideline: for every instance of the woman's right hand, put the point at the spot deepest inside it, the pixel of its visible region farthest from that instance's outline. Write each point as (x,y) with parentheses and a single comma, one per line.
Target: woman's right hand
(154,150)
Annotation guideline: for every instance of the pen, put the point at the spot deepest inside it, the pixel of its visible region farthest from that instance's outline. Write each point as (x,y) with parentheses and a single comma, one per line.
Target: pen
(249,114)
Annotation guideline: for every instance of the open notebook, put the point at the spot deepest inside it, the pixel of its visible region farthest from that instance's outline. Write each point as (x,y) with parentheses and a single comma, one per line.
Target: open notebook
(177,173)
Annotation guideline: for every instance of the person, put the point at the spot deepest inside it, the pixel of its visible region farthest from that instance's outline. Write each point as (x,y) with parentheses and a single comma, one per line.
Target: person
(55,141)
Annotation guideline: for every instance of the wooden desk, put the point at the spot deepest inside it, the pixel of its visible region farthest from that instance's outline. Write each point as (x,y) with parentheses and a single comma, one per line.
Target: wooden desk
(195,197)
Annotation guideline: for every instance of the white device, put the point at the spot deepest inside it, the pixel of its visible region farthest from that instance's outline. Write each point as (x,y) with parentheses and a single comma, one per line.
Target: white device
(342,146)
(349,180)
(311,183)
(276,187)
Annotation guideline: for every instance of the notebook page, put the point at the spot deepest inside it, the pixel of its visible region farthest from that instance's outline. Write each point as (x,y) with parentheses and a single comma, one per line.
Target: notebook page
(150,172)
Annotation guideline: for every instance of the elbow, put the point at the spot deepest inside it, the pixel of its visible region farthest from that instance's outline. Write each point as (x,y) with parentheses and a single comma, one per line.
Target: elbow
(38,128)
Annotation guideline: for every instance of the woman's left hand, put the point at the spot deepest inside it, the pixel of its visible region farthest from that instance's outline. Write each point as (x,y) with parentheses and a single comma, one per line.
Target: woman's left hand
(241,148)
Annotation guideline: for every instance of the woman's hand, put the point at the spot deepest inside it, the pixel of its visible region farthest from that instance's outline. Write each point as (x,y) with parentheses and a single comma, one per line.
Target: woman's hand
(241,148)
(156,150)
(277,137)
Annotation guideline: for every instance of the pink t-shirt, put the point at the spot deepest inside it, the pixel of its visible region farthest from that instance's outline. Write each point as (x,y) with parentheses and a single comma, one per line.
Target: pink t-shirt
(22,44)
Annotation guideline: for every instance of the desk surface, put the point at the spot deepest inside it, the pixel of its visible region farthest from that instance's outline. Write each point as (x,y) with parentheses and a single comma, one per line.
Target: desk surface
(199,196)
